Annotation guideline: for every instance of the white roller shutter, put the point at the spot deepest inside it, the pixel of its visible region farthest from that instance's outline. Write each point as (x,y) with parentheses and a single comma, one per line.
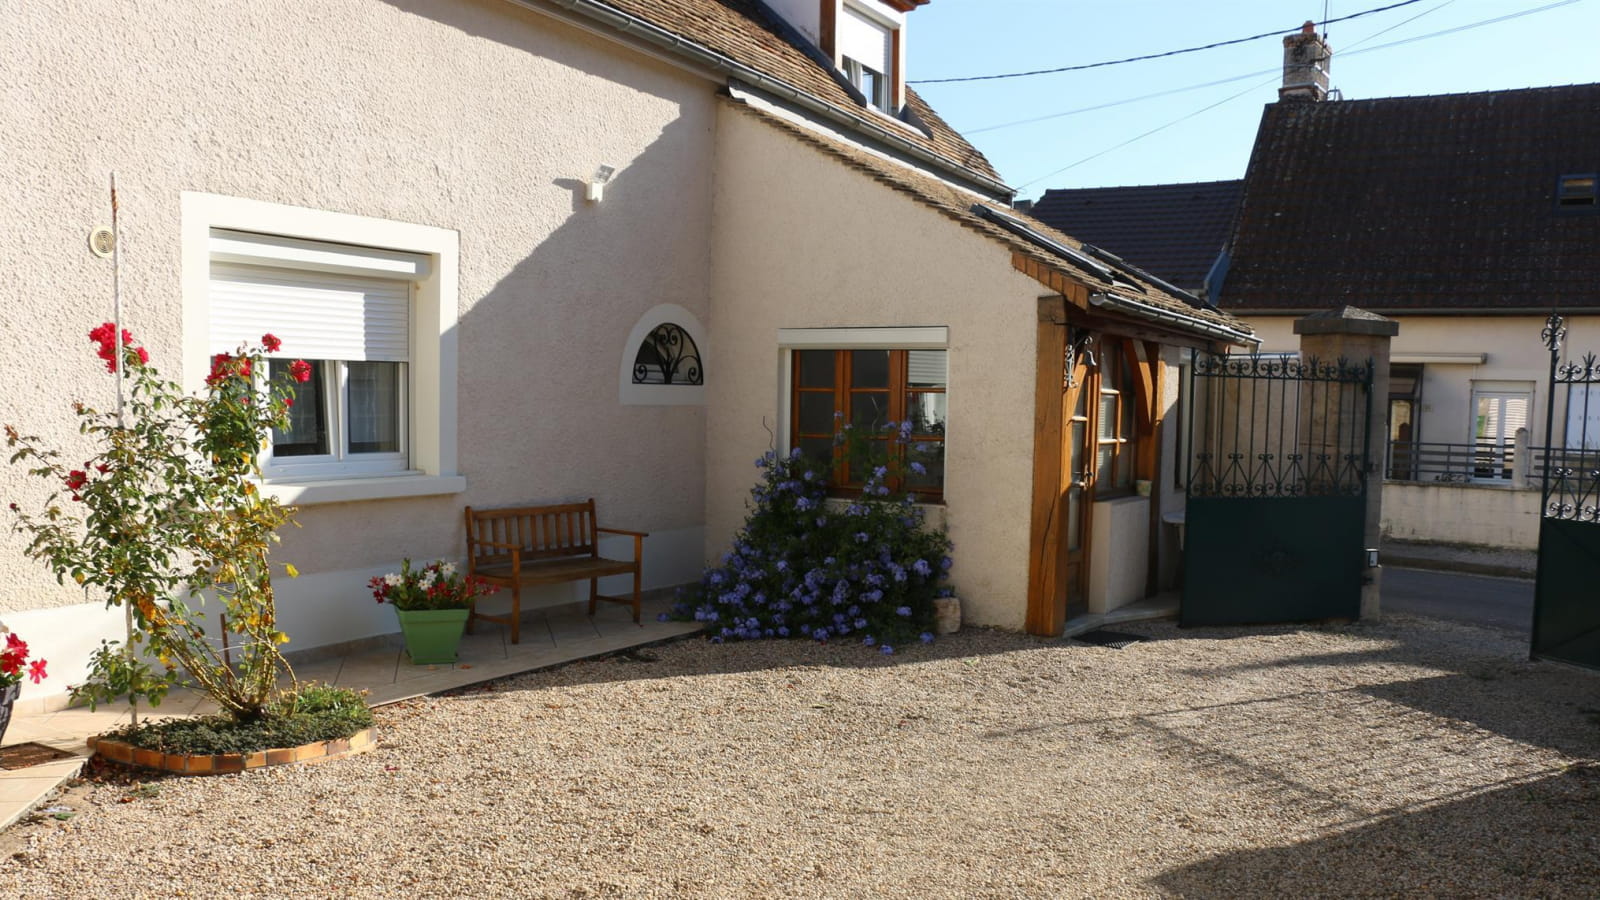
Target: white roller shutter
(317,314)
(864,41)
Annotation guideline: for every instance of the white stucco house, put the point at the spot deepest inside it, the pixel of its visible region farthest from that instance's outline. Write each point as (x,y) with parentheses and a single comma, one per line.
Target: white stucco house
(471,215)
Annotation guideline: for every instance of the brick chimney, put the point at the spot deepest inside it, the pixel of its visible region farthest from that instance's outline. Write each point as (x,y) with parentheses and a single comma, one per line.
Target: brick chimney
(1305,65)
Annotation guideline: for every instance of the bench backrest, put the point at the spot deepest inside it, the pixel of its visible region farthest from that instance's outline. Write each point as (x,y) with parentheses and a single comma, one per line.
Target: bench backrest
(541,532)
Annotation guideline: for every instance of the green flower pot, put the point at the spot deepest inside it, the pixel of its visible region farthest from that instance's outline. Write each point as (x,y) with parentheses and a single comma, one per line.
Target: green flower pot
(432,635)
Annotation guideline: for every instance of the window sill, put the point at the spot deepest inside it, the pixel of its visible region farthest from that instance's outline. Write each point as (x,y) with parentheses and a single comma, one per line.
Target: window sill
(349,490)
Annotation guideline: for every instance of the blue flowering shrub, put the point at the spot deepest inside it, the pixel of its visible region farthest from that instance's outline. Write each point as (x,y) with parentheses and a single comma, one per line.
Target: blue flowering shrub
(804,568)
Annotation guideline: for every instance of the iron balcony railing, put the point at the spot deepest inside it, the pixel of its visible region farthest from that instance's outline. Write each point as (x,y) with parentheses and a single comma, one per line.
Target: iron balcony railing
(1432,461)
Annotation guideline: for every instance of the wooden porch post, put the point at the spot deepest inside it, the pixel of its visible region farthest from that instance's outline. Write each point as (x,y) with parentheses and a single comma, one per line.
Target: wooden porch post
(1047,609)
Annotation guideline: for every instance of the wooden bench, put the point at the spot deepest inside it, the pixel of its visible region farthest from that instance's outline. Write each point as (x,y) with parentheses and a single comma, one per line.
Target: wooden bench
(529,545)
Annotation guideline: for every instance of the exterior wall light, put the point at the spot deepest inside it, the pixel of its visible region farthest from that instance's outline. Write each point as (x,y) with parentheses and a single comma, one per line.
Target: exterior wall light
(596,188)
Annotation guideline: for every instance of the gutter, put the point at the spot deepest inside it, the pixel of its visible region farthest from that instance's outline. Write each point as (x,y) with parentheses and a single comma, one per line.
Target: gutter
(660,37)
(1169,317)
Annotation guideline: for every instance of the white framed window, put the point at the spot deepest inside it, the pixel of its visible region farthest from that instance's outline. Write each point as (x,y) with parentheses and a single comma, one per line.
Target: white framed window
(664,359)
(370,303)
(1499,409)
(350,418)
(866,56)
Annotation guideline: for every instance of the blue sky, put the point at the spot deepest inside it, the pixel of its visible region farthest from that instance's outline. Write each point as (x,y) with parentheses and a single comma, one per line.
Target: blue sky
(951,38)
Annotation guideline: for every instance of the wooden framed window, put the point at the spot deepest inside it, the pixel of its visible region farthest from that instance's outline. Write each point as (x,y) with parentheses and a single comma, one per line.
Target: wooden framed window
(1124,416)
(868,389)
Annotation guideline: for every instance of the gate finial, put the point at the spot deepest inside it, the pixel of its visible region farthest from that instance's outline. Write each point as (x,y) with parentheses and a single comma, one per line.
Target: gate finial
(1555,329)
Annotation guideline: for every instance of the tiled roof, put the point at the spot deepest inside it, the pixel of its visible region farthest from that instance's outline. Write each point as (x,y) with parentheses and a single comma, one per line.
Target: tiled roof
(743,31)
(957,205)
(1410,203)
(1172,231)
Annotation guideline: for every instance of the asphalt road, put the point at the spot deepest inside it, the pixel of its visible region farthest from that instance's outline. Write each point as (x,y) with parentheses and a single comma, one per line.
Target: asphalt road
(1478,599)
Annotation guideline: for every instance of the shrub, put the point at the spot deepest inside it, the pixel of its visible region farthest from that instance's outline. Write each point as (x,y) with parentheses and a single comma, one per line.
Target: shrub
(863,569)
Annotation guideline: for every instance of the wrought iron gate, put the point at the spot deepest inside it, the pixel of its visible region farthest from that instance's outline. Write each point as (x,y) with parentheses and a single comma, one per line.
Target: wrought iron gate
(1566,604)
(1277,490)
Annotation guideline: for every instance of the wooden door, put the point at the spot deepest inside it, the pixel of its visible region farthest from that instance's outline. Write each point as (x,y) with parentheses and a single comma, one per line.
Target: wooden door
(1077,467)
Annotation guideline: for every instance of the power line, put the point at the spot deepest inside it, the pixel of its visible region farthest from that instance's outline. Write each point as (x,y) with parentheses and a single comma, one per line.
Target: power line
(1118,62)
(1187,116)
(1193,87)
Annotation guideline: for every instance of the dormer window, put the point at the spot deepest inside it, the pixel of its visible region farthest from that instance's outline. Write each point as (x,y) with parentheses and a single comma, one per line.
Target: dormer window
(1578,191)
(866,49)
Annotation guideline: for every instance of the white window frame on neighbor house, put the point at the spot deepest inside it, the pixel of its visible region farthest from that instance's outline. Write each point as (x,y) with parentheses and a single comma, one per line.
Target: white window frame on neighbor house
(318,241)
(1502,392)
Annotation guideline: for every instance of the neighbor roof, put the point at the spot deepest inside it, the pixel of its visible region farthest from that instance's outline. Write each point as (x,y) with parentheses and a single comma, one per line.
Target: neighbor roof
(745,32)
(1036,260)
(1172,231)
(1420,203)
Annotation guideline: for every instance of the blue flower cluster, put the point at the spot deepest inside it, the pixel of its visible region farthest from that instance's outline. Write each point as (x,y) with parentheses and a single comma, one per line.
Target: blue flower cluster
(864,569)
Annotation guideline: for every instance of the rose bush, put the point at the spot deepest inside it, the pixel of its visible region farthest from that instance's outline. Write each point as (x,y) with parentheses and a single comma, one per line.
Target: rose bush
(167,519)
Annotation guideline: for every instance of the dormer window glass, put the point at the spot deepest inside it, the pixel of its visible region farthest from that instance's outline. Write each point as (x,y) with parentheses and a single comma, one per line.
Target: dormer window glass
(1578,191)
(866,56)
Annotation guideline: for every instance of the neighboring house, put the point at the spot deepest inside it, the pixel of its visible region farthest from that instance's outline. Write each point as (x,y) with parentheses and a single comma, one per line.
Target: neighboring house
(1466,217)
(489,222)
(1173,231)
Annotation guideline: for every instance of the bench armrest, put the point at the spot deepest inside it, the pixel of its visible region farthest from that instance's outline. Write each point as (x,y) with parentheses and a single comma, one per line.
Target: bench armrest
(637,534)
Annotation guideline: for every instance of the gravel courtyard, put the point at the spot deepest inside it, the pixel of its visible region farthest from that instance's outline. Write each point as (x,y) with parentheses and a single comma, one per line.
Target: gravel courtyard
(1410,757)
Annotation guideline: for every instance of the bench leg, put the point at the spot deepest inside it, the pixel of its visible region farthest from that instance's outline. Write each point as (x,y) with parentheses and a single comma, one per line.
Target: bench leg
(516,612)
(594,595)
(638,577)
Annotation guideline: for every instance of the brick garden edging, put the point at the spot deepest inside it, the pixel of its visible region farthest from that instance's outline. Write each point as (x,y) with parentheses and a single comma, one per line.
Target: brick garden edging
(225,763)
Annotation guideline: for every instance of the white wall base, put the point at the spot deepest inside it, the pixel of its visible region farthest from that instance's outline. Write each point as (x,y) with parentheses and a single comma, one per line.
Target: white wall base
(326,608)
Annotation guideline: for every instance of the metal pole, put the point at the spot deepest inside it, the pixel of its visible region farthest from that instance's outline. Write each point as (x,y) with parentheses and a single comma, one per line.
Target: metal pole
(1554,330)
(117,366)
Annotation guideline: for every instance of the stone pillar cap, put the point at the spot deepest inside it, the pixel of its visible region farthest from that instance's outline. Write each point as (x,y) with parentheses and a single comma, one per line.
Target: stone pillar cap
(1346,320)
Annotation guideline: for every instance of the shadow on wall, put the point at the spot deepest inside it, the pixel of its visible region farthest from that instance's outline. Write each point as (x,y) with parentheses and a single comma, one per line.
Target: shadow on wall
(1530,838)
(546,310)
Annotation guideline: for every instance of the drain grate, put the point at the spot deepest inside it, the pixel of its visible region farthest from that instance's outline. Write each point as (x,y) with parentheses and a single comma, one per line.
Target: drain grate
(21,756)
(1115,640)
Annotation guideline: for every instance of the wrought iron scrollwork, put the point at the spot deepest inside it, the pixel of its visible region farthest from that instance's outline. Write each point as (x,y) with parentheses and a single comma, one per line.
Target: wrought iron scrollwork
(668,356)
(1271,426)
(1554,330)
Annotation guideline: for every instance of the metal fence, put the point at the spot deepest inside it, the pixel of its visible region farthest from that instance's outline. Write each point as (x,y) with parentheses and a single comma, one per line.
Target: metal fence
(1441,462)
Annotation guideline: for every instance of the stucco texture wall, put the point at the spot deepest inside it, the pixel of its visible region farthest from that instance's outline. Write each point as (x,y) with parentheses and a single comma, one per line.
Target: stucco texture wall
(800,241)
(479,117)
(1481,514)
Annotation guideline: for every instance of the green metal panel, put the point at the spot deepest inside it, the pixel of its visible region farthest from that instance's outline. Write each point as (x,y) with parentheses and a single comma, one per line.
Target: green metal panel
(1566,602)
(1254,560)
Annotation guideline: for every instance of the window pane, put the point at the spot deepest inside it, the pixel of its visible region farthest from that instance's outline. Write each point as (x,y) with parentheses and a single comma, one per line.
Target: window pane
(927,368)
(1108,415)
(819,451)
(930,455)
(869,368)
(1106,458)
(864,456)
(869,409)
(373,397)
(307,434)
(816,368)
(926,413)
(816,413)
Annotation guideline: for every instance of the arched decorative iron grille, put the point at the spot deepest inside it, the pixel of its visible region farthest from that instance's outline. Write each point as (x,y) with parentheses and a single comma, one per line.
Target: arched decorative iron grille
(668,356)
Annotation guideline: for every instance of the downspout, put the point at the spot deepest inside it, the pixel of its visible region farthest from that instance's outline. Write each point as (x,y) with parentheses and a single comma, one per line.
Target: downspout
(1182,320)
(705,56)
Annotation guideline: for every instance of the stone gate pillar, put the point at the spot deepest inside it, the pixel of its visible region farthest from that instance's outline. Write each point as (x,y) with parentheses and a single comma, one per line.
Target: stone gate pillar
(1356,336)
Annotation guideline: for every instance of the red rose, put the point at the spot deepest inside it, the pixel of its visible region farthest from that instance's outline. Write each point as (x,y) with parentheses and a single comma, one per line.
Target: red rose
(288,403)
(271,342)
(76,479)
(300,371)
